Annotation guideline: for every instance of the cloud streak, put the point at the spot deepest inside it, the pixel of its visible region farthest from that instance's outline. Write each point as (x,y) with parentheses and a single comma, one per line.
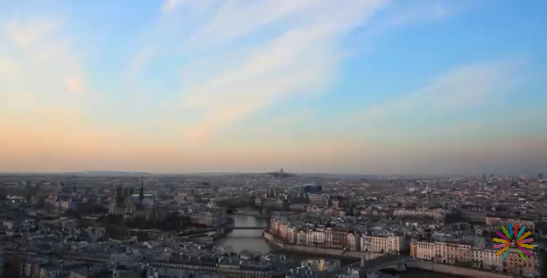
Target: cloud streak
(46,60)
(463,88)
(297,58)
(25,34)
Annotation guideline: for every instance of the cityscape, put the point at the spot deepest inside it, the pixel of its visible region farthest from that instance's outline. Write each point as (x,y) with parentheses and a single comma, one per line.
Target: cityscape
(273,139)
(273,224)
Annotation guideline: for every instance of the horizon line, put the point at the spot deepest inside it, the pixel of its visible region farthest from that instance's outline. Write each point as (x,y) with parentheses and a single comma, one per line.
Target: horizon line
(239,173)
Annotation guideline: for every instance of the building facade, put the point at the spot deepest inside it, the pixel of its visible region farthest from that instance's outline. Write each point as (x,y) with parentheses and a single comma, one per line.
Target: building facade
(481,258)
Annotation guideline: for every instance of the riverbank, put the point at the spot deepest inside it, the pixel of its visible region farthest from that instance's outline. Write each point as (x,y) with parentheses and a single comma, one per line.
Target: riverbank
(251,213)
(416,264)
(277,244)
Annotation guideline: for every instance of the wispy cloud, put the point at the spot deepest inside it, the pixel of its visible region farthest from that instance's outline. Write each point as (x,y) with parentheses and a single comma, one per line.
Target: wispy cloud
(26,34)
(303,115)
(45,85)
(466,87)
(170,6)
(234,19)
(401,13)
(140,61)
(297,54)
(47,60)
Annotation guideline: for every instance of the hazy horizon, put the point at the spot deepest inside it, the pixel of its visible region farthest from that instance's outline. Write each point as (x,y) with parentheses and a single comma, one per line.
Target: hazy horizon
(139,173)
(313,86)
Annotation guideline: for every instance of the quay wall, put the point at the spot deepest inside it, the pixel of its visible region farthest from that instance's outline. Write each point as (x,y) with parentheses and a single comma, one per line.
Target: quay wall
(455,270)
(251,213)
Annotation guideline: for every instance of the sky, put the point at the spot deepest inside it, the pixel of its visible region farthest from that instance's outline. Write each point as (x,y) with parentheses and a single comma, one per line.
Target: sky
(314,86)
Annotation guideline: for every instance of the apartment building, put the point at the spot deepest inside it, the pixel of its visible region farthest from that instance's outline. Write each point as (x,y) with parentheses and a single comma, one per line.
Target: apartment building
(393,244)
(433,213)
(423,250)
(336,238)
(494,223)
(352,241)
(302,237)
(291,235)
(481,258)
(486,259)
(513,264)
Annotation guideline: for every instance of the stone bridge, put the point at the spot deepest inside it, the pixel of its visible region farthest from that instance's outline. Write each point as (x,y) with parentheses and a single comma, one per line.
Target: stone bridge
(373,267)
(249,228)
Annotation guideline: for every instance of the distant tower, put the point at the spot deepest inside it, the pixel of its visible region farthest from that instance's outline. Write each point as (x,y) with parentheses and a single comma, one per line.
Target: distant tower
(141,194)
(540,176)
(129,206)
(483,176)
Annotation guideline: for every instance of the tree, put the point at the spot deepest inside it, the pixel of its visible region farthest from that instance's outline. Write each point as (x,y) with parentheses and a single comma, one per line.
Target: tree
(112,219)
(3,194)
(71,213)
(115,232)
(84,223)
(6,269)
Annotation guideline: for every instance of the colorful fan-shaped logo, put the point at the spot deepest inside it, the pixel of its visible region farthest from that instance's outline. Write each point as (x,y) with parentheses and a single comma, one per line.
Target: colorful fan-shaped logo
(510,236)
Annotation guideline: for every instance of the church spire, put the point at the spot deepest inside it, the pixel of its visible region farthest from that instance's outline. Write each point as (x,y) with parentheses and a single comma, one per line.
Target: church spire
(141,194)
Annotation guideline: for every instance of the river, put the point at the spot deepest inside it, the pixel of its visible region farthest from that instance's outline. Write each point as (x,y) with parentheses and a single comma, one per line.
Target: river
(250,240)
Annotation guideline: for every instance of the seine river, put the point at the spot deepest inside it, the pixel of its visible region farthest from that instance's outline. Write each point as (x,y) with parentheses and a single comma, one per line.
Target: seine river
(251,240)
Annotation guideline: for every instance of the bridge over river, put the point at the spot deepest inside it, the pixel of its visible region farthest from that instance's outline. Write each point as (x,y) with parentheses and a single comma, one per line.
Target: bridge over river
(249,228)
(399,263)
(231,226)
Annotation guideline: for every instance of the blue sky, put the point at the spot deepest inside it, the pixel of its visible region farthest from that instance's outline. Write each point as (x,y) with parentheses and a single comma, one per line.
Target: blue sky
(359,86)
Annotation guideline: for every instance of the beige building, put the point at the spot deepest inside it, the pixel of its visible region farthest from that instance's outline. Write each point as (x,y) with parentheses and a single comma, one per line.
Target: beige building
(352,241)
(514,264)
(423,250)
(302,237)
(486,259)
(481,258)
(383,244)
(442,252)
(291,235)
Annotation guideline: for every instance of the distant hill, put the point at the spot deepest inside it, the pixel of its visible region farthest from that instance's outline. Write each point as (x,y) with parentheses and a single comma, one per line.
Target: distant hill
(108,173)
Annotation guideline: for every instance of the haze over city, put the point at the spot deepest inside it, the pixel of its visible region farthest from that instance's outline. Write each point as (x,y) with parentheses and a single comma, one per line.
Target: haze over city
(178,86)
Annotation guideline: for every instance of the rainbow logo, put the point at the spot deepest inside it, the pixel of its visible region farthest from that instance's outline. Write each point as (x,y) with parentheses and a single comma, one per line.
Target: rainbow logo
(507,239)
